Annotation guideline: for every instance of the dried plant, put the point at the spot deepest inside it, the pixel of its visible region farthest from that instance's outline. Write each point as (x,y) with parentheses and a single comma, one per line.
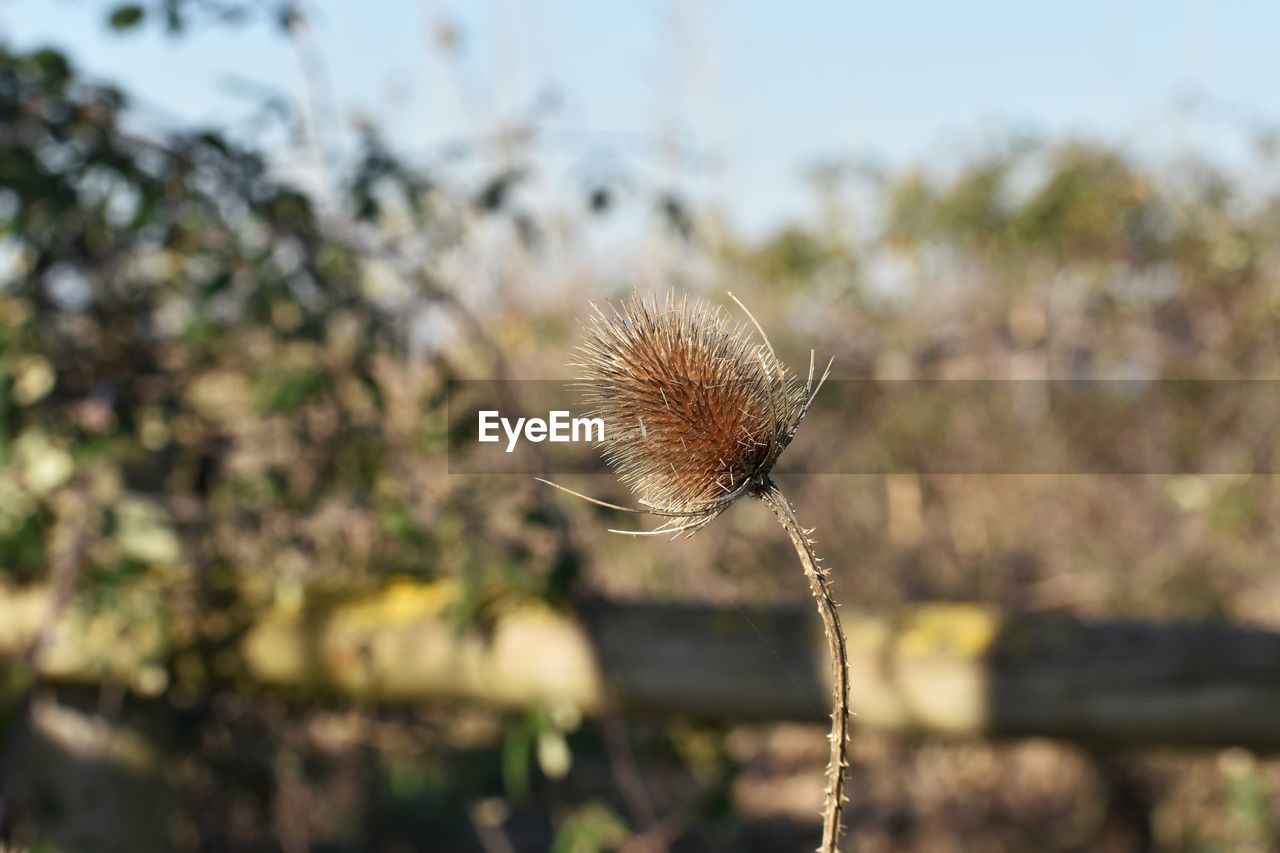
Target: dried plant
(696,414)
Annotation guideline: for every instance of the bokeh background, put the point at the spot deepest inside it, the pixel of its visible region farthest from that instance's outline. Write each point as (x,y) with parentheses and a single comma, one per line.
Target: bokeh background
(245,245)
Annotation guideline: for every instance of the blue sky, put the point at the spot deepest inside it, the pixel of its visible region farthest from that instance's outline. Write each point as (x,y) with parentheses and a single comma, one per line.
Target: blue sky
(763,89)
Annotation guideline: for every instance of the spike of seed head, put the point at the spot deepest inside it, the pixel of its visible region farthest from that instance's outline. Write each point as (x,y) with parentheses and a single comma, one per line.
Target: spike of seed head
(696,412)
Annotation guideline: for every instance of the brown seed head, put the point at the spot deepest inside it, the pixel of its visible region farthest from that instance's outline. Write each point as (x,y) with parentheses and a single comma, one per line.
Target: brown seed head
(696,413)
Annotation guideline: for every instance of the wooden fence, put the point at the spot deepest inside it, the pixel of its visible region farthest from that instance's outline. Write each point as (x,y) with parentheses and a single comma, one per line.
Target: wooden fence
(940,669)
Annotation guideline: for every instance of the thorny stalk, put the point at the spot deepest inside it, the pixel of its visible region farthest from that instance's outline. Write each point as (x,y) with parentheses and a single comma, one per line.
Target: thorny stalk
(817,577)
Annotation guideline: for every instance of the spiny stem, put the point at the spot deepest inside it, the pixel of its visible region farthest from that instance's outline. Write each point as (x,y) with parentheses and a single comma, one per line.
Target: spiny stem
(816,576)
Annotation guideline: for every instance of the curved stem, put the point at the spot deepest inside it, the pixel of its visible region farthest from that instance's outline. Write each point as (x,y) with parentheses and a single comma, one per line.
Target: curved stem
(817,577)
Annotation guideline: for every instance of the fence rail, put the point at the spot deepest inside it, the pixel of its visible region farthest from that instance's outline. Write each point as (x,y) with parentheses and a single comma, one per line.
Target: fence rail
(943,669)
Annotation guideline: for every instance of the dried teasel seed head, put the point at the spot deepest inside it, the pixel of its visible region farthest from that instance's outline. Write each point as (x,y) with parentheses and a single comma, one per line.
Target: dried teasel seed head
(696,415)
(696,411)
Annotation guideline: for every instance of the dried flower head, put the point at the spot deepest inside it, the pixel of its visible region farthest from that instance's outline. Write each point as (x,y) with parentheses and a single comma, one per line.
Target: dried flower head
(695,416)
(696,412)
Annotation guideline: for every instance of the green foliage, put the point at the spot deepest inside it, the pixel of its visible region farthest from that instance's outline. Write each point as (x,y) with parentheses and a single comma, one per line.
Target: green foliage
(793,253)
(591,828)
(1071,202)
(178,330)
(126,16)
(538,739)
(177,17)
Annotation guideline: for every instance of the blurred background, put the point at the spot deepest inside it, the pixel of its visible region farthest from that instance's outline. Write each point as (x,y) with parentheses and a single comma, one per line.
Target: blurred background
(245,244)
